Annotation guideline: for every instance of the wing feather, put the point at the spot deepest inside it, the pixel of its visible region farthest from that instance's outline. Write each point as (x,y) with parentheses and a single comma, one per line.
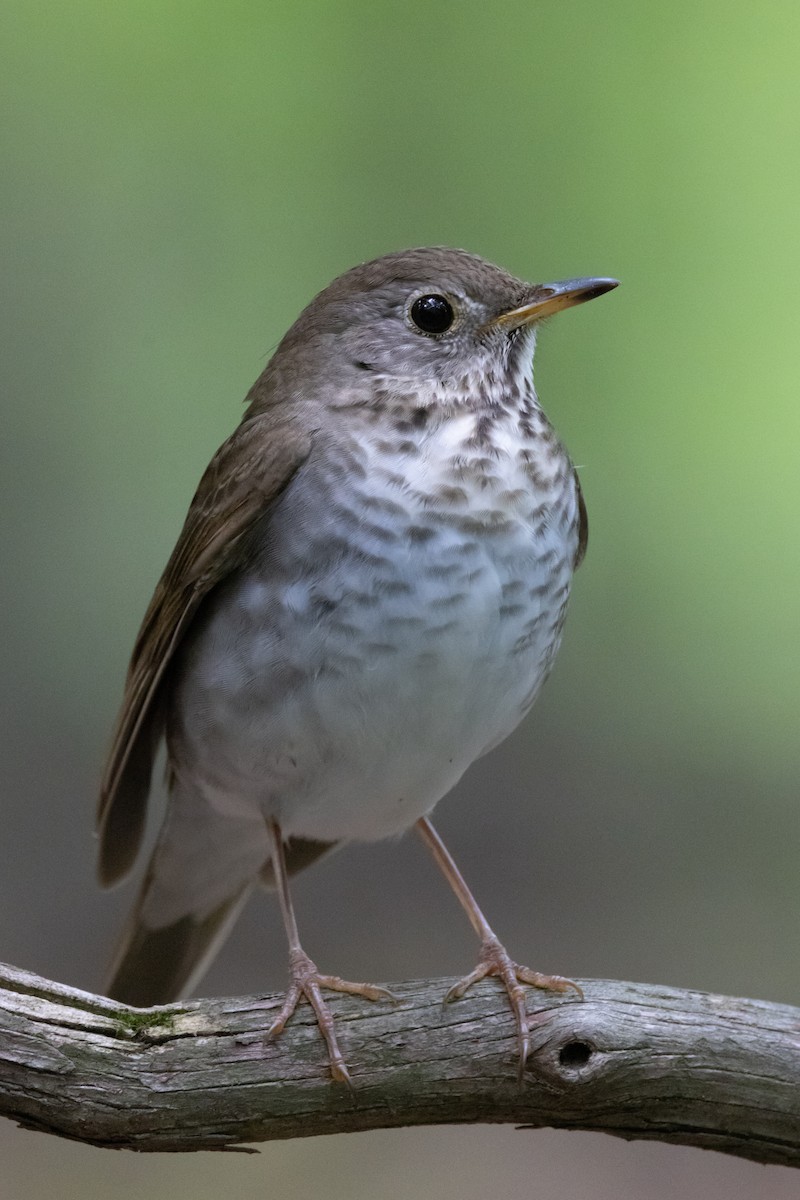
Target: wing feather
(245,477)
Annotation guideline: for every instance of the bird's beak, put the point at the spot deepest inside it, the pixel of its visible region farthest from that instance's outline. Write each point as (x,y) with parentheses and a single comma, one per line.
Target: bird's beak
(548,298)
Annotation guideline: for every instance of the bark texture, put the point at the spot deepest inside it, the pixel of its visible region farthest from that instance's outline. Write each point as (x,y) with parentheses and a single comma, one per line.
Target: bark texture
(634,1060)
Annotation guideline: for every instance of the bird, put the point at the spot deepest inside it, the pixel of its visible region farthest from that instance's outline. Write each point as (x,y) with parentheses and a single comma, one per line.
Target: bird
(366,596)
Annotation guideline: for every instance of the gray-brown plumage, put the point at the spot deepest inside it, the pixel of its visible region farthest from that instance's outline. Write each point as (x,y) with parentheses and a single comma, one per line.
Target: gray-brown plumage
(245,476)
(367,594)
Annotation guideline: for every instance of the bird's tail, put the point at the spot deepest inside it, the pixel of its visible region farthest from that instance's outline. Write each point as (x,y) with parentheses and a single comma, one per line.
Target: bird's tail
(155,965)
(203,868)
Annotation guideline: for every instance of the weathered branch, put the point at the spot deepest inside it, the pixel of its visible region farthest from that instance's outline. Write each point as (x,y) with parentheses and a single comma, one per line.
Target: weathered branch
(632,1060)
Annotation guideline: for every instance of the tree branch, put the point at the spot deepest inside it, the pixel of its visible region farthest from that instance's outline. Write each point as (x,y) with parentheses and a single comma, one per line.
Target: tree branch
(633,1060)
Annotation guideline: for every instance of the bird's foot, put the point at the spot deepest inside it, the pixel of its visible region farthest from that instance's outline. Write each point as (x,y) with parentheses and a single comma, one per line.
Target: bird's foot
(494,960)
(306,981)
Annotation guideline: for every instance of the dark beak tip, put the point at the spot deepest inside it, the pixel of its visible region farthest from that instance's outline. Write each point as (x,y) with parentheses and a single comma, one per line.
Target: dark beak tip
(578,291)
(599,287)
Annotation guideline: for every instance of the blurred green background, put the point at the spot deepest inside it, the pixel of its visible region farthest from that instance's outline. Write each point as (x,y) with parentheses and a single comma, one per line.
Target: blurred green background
(177,181)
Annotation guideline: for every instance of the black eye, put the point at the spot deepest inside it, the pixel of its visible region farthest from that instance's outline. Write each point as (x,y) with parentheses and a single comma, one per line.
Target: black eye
(432,314)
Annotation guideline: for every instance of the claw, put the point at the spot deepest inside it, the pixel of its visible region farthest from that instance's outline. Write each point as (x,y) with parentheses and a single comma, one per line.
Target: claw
(494,960)
(306,982)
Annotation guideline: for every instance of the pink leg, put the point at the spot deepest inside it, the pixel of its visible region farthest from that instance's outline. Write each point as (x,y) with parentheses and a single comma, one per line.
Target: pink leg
(494,958)
(305,979)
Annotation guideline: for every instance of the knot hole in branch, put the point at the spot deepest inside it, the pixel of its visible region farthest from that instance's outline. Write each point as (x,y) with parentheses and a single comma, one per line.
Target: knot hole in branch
(575,1054)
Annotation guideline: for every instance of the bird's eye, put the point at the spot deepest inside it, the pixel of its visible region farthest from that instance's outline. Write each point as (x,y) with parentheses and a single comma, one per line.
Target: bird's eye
(432,314)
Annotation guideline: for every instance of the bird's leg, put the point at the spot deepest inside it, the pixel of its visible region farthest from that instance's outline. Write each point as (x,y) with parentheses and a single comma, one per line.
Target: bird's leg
(305,979)
(494,958)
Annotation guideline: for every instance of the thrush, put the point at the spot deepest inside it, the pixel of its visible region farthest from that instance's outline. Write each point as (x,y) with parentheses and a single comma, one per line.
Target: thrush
(367,595)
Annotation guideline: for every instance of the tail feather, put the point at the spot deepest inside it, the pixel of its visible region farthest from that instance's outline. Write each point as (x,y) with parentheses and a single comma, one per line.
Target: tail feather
(203,868)
(156,966)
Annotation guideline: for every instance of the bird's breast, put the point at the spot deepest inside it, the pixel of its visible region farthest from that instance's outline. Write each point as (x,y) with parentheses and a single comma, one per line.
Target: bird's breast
(397,619)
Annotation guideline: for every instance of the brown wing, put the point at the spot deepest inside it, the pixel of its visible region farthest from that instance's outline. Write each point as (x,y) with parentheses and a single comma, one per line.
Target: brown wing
(246,475)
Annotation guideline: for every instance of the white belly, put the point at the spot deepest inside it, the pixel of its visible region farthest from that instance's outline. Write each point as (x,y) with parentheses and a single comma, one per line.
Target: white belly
(345,691)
